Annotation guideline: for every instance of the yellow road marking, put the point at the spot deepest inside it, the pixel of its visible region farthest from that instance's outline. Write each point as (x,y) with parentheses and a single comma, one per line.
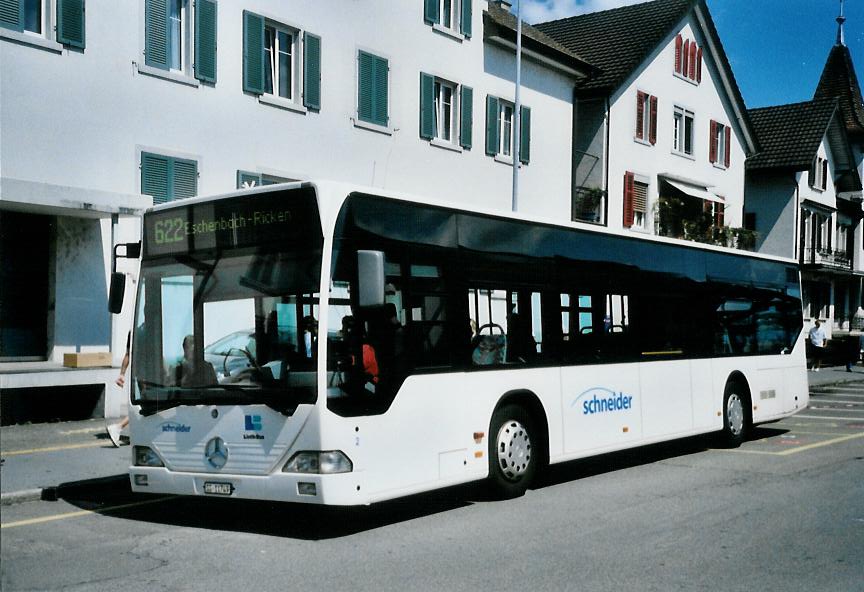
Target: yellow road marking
(55,448)
(795,450)
(79,513)
(820,444)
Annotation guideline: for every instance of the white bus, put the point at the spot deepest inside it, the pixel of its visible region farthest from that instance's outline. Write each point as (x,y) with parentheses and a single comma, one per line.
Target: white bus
(330,344)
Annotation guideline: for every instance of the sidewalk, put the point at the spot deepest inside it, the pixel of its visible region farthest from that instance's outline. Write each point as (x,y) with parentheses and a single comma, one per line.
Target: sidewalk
(47,455)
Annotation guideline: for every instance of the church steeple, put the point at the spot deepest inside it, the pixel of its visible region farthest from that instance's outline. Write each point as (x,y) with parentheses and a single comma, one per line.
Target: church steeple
(840,20)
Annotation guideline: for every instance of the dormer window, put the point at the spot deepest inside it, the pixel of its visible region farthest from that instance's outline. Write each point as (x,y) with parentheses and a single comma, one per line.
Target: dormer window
(819,174)
(688,59)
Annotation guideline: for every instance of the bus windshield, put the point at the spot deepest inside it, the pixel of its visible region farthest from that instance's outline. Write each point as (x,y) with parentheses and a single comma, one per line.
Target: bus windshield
(231,319)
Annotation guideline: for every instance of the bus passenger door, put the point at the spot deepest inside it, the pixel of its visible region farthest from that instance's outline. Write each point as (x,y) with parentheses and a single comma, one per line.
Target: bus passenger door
(601,395)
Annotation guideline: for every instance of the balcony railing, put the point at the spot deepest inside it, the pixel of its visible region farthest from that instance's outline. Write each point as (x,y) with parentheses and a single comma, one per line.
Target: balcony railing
(834,258)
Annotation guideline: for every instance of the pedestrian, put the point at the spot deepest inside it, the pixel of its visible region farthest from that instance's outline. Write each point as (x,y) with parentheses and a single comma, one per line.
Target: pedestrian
(818,340)
(853,350)
(115,429)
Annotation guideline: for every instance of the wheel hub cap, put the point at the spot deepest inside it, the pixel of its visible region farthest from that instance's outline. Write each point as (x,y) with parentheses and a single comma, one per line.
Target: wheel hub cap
(735,414)
(514,450)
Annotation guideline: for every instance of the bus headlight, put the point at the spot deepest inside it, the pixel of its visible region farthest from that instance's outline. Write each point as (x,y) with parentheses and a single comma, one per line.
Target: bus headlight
(144,456)
(322,463)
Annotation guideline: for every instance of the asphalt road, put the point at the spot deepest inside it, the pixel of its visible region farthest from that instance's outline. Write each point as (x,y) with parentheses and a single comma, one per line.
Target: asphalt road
(783,512)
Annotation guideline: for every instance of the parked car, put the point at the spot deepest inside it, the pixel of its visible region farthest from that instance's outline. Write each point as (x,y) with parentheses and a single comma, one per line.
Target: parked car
(230,354)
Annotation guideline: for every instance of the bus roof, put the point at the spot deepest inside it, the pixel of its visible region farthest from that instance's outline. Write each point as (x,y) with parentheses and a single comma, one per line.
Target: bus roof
(335,192)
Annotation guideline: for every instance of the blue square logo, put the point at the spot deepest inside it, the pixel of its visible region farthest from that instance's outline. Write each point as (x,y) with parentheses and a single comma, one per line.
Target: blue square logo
(253,423)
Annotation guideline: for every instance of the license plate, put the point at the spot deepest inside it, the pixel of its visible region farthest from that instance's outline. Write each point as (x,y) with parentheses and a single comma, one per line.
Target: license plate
(218,488)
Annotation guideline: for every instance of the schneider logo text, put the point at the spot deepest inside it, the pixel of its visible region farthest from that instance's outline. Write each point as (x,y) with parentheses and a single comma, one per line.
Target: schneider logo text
(602,400)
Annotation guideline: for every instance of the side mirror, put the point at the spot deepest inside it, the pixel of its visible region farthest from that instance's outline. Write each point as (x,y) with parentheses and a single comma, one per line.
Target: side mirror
(118,280)
(370,278)
(115,296)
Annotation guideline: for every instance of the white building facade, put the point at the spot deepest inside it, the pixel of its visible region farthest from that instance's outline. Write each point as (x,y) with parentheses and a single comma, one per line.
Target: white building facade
(107,110)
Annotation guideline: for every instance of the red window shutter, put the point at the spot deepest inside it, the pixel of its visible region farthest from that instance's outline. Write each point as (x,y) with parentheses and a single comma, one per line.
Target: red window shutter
(685,58)
(699,65)
(712,152)
(679,42)
(640,114)
(726,161)
(692,72)
(628,199)
(652,129)
(719,214)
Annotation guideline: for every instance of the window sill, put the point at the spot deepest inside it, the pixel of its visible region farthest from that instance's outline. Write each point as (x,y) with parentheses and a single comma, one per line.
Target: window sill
(717,165)
(36,41)
(508,160)
(685,78)
(448,33)
(282,103)
(445,145)
(372,127)
(643,142)
(177,77)
(684,155)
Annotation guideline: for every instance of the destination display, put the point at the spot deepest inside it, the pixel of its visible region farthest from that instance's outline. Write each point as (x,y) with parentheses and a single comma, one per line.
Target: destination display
(258,219)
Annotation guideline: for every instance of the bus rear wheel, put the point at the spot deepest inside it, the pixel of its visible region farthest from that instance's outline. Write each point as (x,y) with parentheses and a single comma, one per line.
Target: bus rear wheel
(735,423)
(513,451)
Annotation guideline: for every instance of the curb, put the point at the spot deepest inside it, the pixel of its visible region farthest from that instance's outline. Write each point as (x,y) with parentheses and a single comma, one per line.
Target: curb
(54,492)
(18,497)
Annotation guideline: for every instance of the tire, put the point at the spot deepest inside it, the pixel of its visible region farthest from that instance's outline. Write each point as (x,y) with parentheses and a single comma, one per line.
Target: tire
(735,423)
(513,451)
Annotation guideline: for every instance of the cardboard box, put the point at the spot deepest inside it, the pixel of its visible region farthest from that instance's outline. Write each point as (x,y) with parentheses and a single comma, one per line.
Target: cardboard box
(89,360)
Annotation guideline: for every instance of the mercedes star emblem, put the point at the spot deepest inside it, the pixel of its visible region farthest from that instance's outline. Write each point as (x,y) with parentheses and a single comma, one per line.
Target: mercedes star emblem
(216,453)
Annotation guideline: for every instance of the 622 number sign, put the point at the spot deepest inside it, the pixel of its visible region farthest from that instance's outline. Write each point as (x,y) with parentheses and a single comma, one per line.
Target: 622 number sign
(169,231)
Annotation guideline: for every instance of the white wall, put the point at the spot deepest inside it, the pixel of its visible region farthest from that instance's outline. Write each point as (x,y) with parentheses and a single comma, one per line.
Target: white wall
(74,124)
(707,100)
(81,119)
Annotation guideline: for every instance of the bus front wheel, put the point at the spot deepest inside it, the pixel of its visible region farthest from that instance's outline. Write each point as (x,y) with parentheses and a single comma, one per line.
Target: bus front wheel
(734,415)
(513,451)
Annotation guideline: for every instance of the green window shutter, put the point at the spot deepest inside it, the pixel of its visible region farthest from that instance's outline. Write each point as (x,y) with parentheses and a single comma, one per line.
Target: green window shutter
(156,33)
(70,22)
(465,25)
(253,53)
(525,135)
(382,69)
(184,178)
(253,179)
(491,125)
(311,71)
(372,91)
(466,117)
(430,12)
(205,40)
(154,177)
(427,106)
(12,14)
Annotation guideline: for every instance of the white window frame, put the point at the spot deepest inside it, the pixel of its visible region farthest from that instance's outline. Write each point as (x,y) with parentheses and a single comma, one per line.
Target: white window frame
(504,123)
(640,218)
(680,132)
(46,38)
(441,132)
(455,8)
(273,65)
(181,54)
(720,138)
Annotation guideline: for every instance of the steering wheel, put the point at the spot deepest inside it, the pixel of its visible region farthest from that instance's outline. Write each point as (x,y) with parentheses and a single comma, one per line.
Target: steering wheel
(245,352)
(491,326)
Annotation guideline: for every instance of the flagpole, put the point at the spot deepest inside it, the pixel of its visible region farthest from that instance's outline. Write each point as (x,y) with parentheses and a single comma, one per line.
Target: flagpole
(516,133)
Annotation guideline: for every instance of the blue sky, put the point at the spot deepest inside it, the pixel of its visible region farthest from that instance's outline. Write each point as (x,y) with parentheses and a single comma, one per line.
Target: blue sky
(777,48)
